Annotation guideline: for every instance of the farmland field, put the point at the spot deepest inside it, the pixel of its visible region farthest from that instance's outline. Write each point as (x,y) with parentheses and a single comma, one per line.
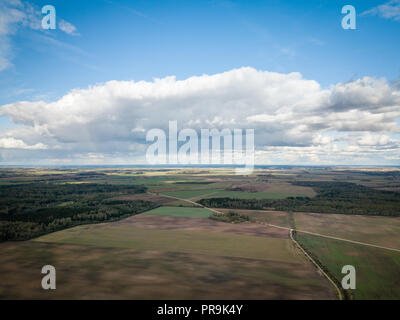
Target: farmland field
(168,257)
(140,233)
(181,212)
(278,218)
(121,273)
(190,194)
(383,231)
(377,270)
(199,150)
(201,242)
(273,192)
(250,195)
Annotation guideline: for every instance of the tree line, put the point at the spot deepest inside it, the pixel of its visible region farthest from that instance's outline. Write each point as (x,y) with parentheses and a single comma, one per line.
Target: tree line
(332,197)
(30,210)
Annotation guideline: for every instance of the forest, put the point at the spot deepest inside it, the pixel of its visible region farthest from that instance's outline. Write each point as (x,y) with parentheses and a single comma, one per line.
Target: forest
(332,197)
(30,210)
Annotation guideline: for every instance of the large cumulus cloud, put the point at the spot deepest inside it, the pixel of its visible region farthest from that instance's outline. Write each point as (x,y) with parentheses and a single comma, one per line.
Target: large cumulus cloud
(291,116)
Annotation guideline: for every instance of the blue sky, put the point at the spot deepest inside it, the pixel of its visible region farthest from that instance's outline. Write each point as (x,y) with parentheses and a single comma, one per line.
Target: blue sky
(142,40)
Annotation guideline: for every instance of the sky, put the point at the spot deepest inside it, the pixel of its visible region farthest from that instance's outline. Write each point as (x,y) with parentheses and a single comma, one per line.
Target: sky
(88,91)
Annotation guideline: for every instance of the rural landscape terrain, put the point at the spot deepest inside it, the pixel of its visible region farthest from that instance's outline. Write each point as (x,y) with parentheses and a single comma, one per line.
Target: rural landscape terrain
(200,233)
(199,159)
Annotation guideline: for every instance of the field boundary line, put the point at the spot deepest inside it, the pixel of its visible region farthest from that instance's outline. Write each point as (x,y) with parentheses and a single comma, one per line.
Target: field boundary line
(315,264)
(200,197)
(291,237)
(351,241)
(190,201)
(297,230)
(336,238)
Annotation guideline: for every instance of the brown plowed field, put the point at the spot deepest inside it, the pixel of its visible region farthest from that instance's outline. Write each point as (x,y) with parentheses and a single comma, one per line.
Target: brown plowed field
(202,224)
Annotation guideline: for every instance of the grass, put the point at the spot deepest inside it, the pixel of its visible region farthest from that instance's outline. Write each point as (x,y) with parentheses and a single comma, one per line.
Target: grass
(251,195)
(291,189)
(172,187)
(180,203)
(278,218)
(124,261)
(377,270)
(218,193)
(171,264)
(230,217)
(189,194)
(197,242)
(121,273)
(189,212)
(383,231)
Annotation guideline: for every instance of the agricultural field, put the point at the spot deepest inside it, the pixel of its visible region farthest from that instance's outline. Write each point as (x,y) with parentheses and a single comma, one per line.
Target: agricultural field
(192,194)
(168,257)
(121,273)
(251,195)
(242,191)
(187,212)
(198,233)
(378,270)
(383,231)
(279,218)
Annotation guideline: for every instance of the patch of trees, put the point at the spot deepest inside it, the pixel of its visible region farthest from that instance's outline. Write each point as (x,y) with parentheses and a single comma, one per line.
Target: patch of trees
(90,174)
(332,197)
(383,173)
(230,203)
(30,210)
(193,182)
(236,189)
(230,217)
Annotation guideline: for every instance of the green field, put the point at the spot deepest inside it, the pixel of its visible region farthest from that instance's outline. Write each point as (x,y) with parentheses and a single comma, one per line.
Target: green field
(211,243)
(193,264)
(251,195)
(180,203)
(383,231)
(94,228)
(188,212)
(168,186)
(278,218)
(189,194)
(377,270)
(219,193)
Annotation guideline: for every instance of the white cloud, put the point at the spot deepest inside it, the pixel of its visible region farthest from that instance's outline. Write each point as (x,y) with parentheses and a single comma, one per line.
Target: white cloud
(16,14)
(316,41)
(11,143)
(4,63)
(388,10)
(370,139)
(290,114)
(67,27)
